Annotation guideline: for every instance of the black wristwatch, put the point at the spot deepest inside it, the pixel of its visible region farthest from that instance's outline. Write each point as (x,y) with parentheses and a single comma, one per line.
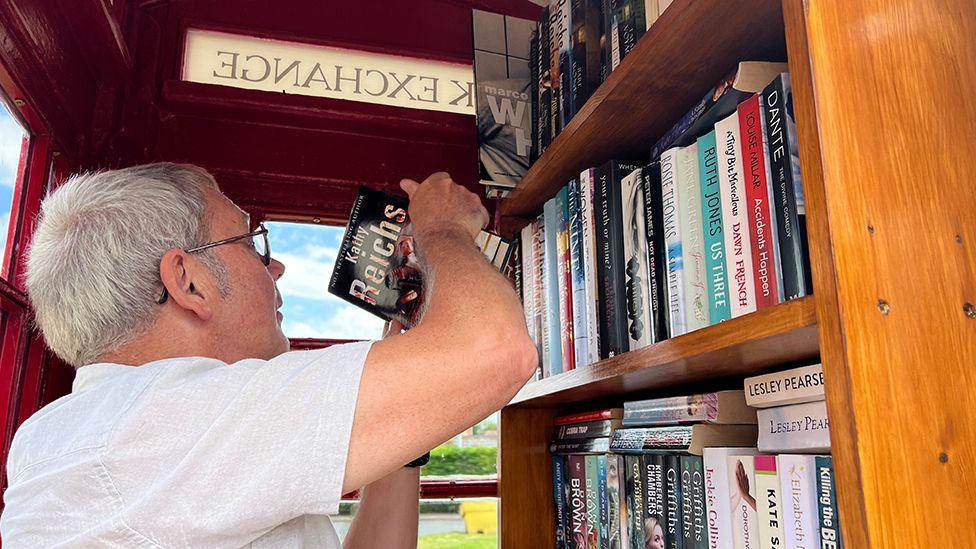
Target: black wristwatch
(421,461)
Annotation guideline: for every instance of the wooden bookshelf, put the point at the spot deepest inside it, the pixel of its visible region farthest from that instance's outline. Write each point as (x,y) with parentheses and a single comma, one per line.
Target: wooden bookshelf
(884,137)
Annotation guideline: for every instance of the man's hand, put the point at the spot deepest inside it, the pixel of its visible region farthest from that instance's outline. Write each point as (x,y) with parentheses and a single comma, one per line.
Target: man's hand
(441,204)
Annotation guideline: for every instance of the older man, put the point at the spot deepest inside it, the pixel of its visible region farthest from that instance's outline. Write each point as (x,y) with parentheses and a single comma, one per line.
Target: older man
(190,424)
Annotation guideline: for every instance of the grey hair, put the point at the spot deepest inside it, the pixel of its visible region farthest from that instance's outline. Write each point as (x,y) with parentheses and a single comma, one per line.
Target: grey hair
(93,265)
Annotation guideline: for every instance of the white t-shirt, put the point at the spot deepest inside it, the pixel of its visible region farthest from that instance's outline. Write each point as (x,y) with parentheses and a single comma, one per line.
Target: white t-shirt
(188,452)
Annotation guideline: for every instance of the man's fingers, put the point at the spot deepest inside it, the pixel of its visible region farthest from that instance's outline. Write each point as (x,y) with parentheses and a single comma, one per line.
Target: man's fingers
(437,176)
(409,186)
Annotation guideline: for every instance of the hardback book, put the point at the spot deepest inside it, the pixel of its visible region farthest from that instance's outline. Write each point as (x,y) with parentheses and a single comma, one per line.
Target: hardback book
(564,281)
(711,201)
(587,186)
(738,248)
(544,134)
(827,515)
(592,502)
(784,163)
(640,323)
(718,496)
(749,77)
(674,497)
(503,100)
(559,45)
(581,328)
(693,521)
(554,302)
(769,503)
(559,497)
(588,429)
(617,502)
(655,500)
(794,386)
(377,267)
(718,407)
(798,486)
(576,478)
(794,428)
(656,255)
(762,222)
(684,438)
(603,502)
(585,56)
(635,500)
(595,415)
(742,487)
(674,255)
(692,239)
(597,445)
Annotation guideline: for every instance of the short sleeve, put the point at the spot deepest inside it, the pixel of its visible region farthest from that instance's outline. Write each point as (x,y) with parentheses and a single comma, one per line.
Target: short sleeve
(237,449)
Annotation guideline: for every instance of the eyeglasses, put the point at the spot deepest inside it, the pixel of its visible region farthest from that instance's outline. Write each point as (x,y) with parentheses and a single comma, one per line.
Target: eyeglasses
(261,245)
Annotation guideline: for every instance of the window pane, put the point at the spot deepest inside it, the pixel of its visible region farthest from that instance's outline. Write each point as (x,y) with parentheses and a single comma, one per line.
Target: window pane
(472,453)
(460,523)
(310,311)
(11,142)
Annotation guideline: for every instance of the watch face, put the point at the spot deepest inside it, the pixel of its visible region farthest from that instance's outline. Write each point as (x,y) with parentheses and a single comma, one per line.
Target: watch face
(421,461)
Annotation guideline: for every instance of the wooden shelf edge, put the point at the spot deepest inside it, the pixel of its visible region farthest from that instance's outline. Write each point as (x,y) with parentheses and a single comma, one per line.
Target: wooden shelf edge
(743,346)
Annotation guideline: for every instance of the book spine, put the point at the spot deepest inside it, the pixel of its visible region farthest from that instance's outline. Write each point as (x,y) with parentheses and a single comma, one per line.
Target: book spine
(616,173)
(794,428)
(587,182)
(651,438)
(640,328)
(672,410)
(671,216)
(565,282)
(517,273)
(538,289)
(635,501)
(742,486)
(577,501)
(656,256)
(589,429)
(692,476)
(581,339)
(738,249)
(692,116)
(798,486)
(769,504)
(581,446)
(585,60)
(787,188)
(627,26)
(828,516)
(557,28)
(592,502)
(718,496)
(544,106)
(617,476)
(611,338)
(762,226)
(551,213)
(795,386)
(559,496)
(614,33)
(718,284)
(608,413)
(672,492)
(534,94)
(603,501)
(654,499)
(526,263)
(693,239)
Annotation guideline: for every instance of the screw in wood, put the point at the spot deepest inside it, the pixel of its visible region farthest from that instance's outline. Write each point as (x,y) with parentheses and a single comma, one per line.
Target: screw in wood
(870,228)
(943,457)
(969,310)
(316,220)
(959,238)
(884,307)
(19,102)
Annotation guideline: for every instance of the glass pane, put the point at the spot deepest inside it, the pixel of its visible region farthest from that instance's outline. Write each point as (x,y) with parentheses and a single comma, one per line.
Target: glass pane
(11,143)
(310,311)
(444,524)
(472,453)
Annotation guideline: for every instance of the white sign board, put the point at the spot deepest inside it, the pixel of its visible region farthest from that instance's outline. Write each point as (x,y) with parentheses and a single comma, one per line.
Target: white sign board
(320,71)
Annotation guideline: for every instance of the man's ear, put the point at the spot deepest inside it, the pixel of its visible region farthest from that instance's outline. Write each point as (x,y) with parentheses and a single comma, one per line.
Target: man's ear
(185,280)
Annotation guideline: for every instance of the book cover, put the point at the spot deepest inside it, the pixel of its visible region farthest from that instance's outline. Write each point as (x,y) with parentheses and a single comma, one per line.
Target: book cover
(798,486)
(640,325)
(828,516)
(617,481)
(655,500)
(543,122)
(794,428)
(685,438)
(587,185)
(674,255)
(769,503)
(794,386)
(711,200)
(580,446)
(592,504)
(581,328)
(576,478)
(585,62)
(595,415)
(588,429)
(692,239)
(559,497)
(527,247)
(738,248)
(762,222)
(718,496)
(564,281)
(742,487)
(717,407)
(635,500)
(784,164)
(693,520)
(554,302)
(603,502)
(559,14)
(672,492)
(656,256)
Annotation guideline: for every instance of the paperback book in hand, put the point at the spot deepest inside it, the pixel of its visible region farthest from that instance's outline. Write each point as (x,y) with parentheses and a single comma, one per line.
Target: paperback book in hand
(377,268)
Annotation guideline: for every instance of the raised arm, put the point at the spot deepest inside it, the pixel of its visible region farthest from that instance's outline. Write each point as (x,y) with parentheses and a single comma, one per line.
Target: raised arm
(466,358)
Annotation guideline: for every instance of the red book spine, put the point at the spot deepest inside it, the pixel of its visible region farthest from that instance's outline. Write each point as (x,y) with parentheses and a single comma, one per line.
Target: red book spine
(566,300)
(584,416)
(761,228)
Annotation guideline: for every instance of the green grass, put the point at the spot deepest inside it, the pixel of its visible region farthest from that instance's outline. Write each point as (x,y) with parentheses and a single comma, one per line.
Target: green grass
(456,540)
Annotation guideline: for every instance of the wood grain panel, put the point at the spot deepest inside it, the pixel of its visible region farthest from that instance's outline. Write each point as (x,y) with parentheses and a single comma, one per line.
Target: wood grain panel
(896,124)
(740,347)
(527,512)
(692,46)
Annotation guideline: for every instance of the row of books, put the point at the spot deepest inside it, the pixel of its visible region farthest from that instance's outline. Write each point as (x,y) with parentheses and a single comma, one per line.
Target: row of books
(631,253)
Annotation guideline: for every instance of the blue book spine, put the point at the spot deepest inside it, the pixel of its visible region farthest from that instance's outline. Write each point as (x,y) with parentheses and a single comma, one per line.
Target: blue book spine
(827,504)
(718,289)
(604,502)
(552,215)
(578,268)
(559,496)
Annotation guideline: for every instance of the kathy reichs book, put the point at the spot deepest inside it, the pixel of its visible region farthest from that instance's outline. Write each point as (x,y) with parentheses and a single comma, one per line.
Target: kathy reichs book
(377,268)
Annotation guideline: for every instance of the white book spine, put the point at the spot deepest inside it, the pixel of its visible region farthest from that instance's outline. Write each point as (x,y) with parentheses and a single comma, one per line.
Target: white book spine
(742,487)
(527,237)
(794,428)
(798,486)
(589,265)
(671,205)
(769,503)
(738,247)
(794,386)
(718,498)
(640,329)
(692,239)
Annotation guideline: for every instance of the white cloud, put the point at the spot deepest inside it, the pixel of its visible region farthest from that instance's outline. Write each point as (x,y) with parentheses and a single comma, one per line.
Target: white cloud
(307,271)
(343,322)
(4,222)
(11,138)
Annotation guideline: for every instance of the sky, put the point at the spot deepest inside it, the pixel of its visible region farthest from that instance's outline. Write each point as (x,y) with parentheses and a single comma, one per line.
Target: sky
(11,136)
